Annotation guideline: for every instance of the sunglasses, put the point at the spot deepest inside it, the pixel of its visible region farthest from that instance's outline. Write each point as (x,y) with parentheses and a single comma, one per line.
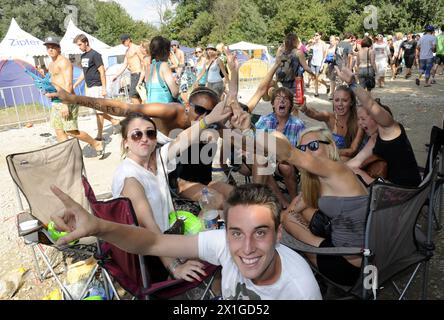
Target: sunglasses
(137,135)
(199,109)
(312,146)
(198,52)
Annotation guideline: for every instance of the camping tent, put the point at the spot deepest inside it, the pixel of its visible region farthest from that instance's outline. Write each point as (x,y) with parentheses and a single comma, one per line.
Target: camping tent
(110,56)
(250,47)
(68,47)
(19,44)
(16,87)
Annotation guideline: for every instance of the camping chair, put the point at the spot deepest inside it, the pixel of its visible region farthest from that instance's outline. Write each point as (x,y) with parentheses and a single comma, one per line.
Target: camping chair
(33,173)
(129,270)
(393,242)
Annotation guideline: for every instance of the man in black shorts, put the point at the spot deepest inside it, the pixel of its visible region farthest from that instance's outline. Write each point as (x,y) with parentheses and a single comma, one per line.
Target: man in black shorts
(408,49)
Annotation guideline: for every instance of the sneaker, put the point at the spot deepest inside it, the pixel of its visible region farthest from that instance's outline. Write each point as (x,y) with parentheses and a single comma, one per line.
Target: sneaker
(417,81)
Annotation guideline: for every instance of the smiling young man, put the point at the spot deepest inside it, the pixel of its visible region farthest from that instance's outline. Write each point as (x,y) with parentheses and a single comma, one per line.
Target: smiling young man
(254,264)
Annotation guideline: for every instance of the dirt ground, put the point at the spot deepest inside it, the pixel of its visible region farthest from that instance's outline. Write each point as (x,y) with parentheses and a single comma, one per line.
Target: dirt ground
(417,108)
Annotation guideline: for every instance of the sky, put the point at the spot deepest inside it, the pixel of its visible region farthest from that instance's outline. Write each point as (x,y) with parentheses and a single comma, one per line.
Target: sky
(144,10)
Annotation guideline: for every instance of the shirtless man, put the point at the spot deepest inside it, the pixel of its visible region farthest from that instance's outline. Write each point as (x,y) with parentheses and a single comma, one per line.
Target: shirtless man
(134,62)
(177,59)
(64,116)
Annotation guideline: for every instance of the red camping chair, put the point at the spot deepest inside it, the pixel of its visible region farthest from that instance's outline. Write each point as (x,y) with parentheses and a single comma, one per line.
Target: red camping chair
(130,270)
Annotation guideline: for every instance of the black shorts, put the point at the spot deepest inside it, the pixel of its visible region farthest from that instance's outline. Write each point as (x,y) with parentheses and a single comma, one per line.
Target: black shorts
(134,80)
(337,268)
(439,59)
(409,61)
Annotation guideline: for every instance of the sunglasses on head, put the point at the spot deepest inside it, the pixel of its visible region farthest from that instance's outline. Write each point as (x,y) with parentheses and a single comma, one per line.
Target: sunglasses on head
(199,109)
(137,135)
(312,146)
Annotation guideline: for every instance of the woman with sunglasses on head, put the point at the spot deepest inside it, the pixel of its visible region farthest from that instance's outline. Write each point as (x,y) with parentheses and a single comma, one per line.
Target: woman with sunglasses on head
(331,194)
(142,177)
(343,121)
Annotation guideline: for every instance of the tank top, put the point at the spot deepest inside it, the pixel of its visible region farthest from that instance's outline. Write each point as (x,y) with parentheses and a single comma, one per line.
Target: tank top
(347,216)
(339,141)
(213,72)
(199,69)
(402,168)
(157,91)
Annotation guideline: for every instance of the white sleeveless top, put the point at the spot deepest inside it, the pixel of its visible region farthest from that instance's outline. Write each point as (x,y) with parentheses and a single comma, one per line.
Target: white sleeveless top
(156,186)
(213,73)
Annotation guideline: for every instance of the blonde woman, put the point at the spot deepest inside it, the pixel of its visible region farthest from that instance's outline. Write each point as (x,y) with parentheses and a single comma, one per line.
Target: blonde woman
(332,194)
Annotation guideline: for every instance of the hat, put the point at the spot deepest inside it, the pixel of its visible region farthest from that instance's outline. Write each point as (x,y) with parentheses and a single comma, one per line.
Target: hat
(211,46)
(429,28)
(389,37)
(124,37)
(52,40)
(174,43)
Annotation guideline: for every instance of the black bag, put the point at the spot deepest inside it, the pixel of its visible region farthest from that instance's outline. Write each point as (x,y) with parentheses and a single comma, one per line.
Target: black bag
(320,225)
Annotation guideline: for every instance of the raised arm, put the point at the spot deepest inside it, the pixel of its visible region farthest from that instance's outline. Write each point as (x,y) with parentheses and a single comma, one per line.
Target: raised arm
(323,116)
(265,83)
(379,114)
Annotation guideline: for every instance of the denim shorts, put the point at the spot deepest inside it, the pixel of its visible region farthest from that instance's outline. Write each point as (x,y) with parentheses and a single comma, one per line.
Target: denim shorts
(425,66)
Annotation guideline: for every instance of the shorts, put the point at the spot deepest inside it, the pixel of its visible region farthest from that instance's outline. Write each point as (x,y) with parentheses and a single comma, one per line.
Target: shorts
(58,123)
(337,268)
(439,59)
(94,92)
(316,69)
(409,61)
(425,66)
(134,80)
(218,87)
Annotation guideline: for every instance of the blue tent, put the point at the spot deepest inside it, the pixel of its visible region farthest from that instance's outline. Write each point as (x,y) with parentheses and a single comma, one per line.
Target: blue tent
(17,88)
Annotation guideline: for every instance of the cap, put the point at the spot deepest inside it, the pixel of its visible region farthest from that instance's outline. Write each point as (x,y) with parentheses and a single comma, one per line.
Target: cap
(124,37)
(52,40)
(429,28)
(211,46)
(174,43)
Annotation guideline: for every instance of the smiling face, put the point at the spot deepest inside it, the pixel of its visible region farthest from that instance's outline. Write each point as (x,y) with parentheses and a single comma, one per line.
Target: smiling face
(252,236)
(342,102)
(366,122)
(139,149)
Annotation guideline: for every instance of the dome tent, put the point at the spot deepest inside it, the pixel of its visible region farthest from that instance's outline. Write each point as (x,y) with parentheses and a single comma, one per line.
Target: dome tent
(16,87)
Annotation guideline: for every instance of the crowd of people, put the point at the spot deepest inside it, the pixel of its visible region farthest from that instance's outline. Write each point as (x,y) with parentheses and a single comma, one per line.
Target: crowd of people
(322,167)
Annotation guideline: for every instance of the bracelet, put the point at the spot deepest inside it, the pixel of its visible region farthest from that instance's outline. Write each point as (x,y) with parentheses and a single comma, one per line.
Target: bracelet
(202,124)
(172,267)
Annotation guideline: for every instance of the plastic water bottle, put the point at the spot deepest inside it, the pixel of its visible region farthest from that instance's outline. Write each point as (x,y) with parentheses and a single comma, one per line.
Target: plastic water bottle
(208,214)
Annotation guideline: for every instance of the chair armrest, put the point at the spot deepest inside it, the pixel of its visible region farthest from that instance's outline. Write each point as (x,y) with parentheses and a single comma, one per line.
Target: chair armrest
(300,246)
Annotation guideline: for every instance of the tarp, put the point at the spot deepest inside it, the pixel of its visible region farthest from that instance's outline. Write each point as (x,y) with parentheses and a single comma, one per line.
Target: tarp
(16,87)
(246,46)
(68,47)
(20,44)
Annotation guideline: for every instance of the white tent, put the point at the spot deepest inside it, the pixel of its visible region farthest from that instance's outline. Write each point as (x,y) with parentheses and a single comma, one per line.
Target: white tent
(110,55)
(247,46)
(19,44)
(68,47)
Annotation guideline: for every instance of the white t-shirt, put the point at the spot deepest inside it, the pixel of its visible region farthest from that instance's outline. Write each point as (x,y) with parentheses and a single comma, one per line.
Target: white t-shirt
(318,54)
(426,42)
(156,186)
(295,283)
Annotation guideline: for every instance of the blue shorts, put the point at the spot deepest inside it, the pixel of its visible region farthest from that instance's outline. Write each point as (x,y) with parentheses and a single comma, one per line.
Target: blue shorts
(425,66)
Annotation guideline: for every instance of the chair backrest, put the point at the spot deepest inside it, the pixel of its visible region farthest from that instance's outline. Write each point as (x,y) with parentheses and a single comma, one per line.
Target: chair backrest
(391,226)
(35,171)
(436,143)
(125,267)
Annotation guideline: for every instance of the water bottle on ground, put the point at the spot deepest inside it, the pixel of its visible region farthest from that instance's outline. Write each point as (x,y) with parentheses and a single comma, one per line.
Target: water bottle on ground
(209,214)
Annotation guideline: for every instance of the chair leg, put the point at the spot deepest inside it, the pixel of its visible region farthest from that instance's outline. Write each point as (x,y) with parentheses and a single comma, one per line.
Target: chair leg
(36,263)
(48,264)
(110,282)
(208,287)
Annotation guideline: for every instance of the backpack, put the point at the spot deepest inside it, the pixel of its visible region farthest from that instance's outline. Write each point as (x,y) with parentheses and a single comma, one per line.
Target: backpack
(289,68)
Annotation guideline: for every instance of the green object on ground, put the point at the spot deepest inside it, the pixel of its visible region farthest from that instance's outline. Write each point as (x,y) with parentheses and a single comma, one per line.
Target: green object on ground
(192,223)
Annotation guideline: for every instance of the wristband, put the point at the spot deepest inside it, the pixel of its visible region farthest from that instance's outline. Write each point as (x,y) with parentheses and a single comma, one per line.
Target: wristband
(172,267)
(202,124)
